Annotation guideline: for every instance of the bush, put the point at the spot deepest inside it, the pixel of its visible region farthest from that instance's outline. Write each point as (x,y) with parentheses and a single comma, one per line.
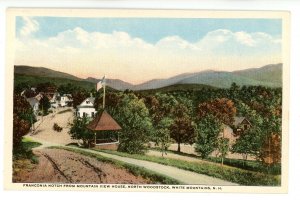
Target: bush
(78,131)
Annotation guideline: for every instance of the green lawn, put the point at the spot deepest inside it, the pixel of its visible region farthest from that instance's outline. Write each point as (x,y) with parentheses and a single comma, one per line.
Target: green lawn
(251,165)
(228,173)
(25,150)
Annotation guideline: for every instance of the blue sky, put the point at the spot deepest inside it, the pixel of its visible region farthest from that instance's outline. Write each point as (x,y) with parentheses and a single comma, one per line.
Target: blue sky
(140,49)
(152,30)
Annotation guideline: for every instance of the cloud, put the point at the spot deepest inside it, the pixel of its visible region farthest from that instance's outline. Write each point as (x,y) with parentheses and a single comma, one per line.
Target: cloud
(119,55)
(30,26)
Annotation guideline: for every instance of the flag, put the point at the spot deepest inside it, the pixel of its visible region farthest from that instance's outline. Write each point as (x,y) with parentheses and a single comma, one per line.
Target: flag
(101,83)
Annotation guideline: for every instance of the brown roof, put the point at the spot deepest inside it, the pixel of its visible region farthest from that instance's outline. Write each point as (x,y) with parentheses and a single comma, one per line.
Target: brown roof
(103,122)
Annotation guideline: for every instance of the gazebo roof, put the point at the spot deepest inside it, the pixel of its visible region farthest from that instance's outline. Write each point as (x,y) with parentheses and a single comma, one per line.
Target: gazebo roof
(103,122)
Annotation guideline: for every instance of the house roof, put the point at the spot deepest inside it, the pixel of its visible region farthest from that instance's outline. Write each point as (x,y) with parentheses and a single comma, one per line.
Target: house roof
(239,120)
(32,101)
(91,99)
(103,122)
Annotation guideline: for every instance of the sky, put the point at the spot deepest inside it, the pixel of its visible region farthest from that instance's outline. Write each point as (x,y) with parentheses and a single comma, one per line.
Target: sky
(140,49)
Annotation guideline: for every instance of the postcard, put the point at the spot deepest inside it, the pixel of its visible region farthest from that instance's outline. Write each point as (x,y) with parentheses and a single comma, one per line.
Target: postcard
(147,100)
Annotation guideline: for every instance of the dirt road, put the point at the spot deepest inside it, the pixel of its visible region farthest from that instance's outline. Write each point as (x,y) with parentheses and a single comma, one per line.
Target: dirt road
(184,176)
(61,166)
(44,127)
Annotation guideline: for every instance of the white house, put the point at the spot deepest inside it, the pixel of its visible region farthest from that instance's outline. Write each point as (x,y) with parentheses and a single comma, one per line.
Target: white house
(54,100)
(60,100)
(65,100)
(86,108)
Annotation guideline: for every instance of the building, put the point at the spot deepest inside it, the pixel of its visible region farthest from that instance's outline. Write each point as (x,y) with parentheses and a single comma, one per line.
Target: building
(240,125)
(86,108)
(65,100)
(231,133)
(58,100)
(34,103)
(54,100)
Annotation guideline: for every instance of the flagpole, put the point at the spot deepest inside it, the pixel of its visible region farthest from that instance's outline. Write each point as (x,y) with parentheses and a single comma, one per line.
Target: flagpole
(104,96)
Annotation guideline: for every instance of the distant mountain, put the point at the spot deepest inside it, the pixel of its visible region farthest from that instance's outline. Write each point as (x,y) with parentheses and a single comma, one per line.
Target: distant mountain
(114,83)
(92,80)
(159,83)
(43,72)
(269,75)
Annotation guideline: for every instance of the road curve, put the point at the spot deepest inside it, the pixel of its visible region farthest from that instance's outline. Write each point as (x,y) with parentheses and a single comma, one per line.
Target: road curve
(184,176)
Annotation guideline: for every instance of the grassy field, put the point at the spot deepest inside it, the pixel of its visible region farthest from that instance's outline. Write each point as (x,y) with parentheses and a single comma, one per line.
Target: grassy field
(23,158)
(137,171)
(251,165)
(228,173)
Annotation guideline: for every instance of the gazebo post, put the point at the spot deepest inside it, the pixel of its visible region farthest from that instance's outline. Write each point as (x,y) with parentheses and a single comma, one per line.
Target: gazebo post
(95,134)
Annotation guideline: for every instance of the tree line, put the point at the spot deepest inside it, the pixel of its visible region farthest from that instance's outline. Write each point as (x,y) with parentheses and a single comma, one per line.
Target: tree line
(197,117)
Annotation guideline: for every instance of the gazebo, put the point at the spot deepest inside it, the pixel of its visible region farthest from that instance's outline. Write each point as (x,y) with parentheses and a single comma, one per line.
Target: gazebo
(104,122)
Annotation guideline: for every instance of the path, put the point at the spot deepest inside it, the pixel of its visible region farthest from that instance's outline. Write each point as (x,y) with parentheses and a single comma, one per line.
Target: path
(44,128)
(184,176)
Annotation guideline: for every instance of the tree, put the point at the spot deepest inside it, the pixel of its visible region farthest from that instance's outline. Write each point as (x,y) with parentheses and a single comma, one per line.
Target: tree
(44,105)
(248,143)
(133,117)
(162,105)
(223,147)
(46,87)
(182,130)
(20,128)
(79,131)
(222,109)
(79,97)
(208,130)
(112,100)
(67,88)
(271,150)
(23,117)
(161,135)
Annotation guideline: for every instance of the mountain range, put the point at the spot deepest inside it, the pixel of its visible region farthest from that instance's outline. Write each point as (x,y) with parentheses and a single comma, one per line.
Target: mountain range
(269,75)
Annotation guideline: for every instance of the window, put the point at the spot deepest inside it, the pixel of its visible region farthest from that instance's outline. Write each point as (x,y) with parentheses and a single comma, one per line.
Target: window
(84,114)
(93,114)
